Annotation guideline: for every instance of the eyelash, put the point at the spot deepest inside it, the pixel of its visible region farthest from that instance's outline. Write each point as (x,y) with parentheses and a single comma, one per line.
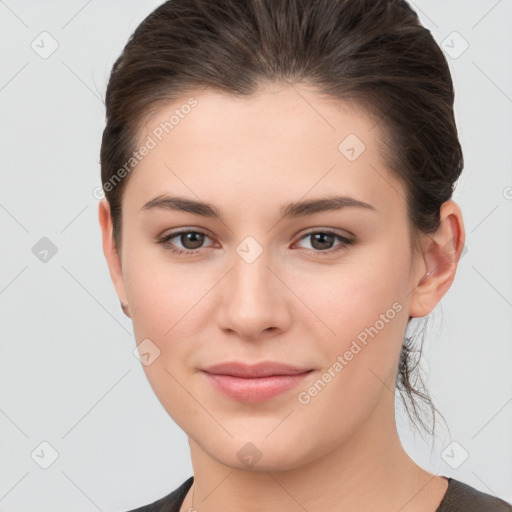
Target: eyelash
(316,253)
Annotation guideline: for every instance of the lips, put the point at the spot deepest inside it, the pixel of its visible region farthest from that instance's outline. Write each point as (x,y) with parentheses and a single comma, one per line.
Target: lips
(259,370)
(254,383)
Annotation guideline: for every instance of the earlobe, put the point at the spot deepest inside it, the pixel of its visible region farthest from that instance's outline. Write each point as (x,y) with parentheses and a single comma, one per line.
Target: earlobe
(441,254)
(109,250)
(124,307)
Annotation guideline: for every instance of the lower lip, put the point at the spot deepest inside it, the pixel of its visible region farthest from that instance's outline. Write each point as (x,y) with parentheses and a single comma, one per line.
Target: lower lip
(255,389)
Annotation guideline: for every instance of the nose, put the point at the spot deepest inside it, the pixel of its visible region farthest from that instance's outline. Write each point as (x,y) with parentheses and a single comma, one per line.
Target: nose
(255,299)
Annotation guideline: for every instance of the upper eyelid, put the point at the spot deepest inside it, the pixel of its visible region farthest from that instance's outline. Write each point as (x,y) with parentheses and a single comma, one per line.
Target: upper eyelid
(178,232)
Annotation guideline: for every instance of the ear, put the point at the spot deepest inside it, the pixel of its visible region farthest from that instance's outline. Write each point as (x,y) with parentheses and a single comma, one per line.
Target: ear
(111,255)
(441,254)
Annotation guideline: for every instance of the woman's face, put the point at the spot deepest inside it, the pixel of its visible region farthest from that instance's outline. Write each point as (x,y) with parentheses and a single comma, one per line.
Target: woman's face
(252,285)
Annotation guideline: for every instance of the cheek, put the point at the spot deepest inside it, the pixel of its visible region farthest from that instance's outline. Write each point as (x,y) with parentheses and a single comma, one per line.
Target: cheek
(162,294)
(363,311)
(368,318)
(354,293)
(171,305)
(165,308)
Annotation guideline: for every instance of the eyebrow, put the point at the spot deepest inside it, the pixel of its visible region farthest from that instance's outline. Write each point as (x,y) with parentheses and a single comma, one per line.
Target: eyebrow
(289,210)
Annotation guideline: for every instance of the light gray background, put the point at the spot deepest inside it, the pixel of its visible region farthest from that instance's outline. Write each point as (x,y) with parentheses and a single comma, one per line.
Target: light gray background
(67,370)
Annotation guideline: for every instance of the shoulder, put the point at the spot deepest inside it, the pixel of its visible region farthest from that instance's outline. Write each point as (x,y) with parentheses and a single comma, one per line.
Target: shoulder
(462,497)
(170,503)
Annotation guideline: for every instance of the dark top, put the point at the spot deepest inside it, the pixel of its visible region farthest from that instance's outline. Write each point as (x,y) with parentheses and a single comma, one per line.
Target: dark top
(459,497)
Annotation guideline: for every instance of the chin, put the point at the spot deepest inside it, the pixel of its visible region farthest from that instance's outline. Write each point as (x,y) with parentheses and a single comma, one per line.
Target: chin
(251,451)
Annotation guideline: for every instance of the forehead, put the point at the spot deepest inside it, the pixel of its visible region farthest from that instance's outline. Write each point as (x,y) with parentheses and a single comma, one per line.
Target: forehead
(292,111)
(284,140)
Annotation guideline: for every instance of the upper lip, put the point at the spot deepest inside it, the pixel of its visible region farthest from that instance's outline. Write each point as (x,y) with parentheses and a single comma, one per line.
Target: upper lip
(263,369)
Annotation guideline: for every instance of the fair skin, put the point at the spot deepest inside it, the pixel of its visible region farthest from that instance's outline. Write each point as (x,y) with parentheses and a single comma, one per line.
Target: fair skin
(249,157)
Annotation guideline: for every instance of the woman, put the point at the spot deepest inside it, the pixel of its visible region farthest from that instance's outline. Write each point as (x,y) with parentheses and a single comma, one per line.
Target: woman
(278,178)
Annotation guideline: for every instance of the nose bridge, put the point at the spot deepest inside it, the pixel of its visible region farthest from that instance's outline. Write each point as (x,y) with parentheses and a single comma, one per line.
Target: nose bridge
(251,277)
(253,301)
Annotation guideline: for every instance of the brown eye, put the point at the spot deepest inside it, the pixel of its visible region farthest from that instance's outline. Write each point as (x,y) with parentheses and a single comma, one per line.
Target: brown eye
(324,241)
(191,241)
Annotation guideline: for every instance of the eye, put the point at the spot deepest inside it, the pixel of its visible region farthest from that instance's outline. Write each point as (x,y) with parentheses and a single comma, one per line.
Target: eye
(191,239)
(322,242)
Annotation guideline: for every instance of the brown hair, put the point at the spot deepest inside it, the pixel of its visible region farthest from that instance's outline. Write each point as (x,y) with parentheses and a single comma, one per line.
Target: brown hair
(373,52)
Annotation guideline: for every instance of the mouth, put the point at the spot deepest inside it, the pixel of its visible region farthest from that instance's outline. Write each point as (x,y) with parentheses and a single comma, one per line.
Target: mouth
(263,369)
(255,383)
